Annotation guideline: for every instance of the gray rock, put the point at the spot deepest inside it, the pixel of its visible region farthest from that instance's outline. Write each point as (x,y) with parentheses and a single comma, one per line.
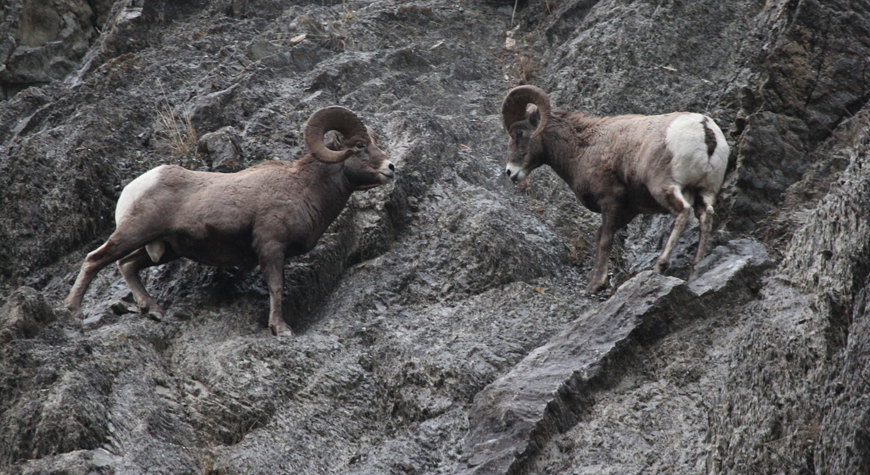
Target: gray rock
(789,381)
(843,444)
(25,313)
(46,40)
(223,148)
(728,269)
(549,390)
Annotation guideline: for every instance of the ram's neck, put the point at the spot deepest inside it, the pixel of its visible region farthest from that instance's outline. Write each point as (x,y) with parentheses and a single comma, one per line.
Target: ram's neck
(327,196)
(560,146)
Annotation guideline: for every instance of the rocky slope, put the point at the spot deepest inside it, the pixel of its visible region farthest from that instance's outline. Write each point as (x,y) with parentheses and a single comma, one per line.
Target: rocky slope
(441,323)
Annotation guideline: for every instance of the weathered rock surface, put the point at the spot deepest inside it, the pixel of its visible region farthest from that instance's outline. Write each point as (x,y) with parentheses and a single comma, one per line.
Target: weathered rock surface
(730,270)
(555,386)
(549,390)
(787,377)
(25,314)
(450,286)
(44,41)
(224,150)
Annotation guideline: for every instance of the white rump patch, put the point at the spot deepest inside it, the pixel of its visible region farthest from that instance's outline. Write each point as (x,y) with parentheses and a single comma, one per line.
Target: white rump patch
(155,250)
(692,166)
(134,191)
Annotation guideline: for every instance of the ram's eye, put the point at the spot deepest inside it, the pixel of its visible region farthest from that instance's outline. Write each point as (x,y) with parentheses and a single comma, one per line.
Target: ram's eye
(360,146)
(519,134)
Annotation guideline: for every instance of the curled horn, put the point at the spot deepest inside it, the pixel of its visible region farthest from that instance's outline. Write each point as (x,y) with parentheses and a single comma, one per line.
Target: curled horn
(332,118)
(514,106)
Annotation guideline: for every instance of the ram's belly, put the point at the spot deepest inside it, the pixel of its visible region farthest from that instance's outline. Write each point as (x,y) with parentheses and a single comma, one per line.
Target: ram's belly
(640,200)
(215,249)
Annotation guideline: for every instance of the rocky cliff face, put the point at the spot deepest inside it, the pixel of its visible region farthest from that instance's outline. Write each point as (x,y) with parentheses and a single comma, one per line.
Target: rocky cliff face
(441,323)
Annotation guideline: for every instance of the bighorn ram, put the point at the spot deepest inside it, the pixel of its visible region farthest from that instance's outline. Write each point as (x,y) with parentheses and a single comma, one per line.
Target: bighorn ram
(259,215)
(621,166)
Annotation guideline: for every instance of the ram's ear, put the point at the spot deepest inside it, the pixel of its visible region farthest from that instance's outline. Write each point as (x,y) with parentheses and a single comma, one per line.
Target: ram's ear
(334,140)
(534,115)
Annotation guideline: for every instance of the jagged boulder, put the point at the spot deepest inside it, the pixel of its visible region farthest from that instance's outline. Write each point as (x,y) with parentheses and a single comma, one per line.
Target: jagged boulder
(224,150)
(44,41)
(25,314)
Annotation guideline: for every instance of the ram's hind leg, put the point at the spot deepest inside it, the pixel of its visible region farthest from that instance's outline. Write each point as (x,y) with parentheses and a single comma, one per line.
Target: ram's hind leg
(117,246)
(681,209)
(131,265)
(704,211)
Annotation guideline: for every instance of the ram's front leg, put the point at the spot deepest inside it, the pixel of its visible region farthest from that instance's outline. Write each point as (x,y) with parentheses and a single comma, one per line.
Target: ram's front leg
(612,219)
(272,266)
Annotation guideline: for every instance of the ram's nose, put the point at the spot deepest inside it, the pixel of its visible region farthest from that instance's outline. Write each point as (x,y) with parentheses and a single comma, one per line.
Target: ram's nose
(513,177)
(388,169)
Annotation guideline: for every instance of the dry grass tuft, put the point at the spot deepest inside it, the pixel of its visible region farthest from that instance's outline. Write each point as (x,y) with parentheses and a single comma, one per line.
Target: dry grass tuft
(177,133)
(526,66)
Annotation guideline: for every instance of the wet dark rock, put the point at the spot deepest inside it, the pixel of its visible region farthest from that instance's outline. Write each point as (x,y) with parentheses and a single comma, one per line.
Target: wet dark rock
(44,41)
(731,268)
(554,387)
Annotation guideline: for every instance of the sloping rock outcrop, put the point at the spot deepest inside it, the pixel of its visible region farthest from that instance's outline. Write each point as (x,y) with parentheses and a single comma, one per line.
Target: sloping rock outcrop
(554,387)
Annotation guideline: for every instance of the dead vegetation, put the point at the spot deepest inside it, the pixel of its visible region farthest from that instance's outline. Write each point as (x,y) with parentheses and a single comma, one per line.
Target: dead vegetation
(177,135)
(527,68)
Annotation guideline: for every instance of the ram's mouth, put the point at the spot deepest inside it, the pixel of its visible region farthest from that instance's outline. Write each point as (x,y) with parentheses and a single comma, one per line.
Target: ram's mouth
(518,175)
(387,171)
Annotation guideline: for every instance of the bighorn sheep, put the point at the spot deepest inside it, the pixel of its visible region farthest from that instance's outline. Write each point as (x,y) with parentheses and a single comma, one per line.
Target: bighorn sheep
(621,166)
(259,215)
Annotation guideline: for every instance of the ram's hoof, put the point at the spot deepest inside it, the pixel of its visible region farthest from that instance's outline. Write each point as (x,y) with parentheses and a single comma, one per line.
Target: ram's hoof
(661,267)
(154,313)
(595,288)
(281,329)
